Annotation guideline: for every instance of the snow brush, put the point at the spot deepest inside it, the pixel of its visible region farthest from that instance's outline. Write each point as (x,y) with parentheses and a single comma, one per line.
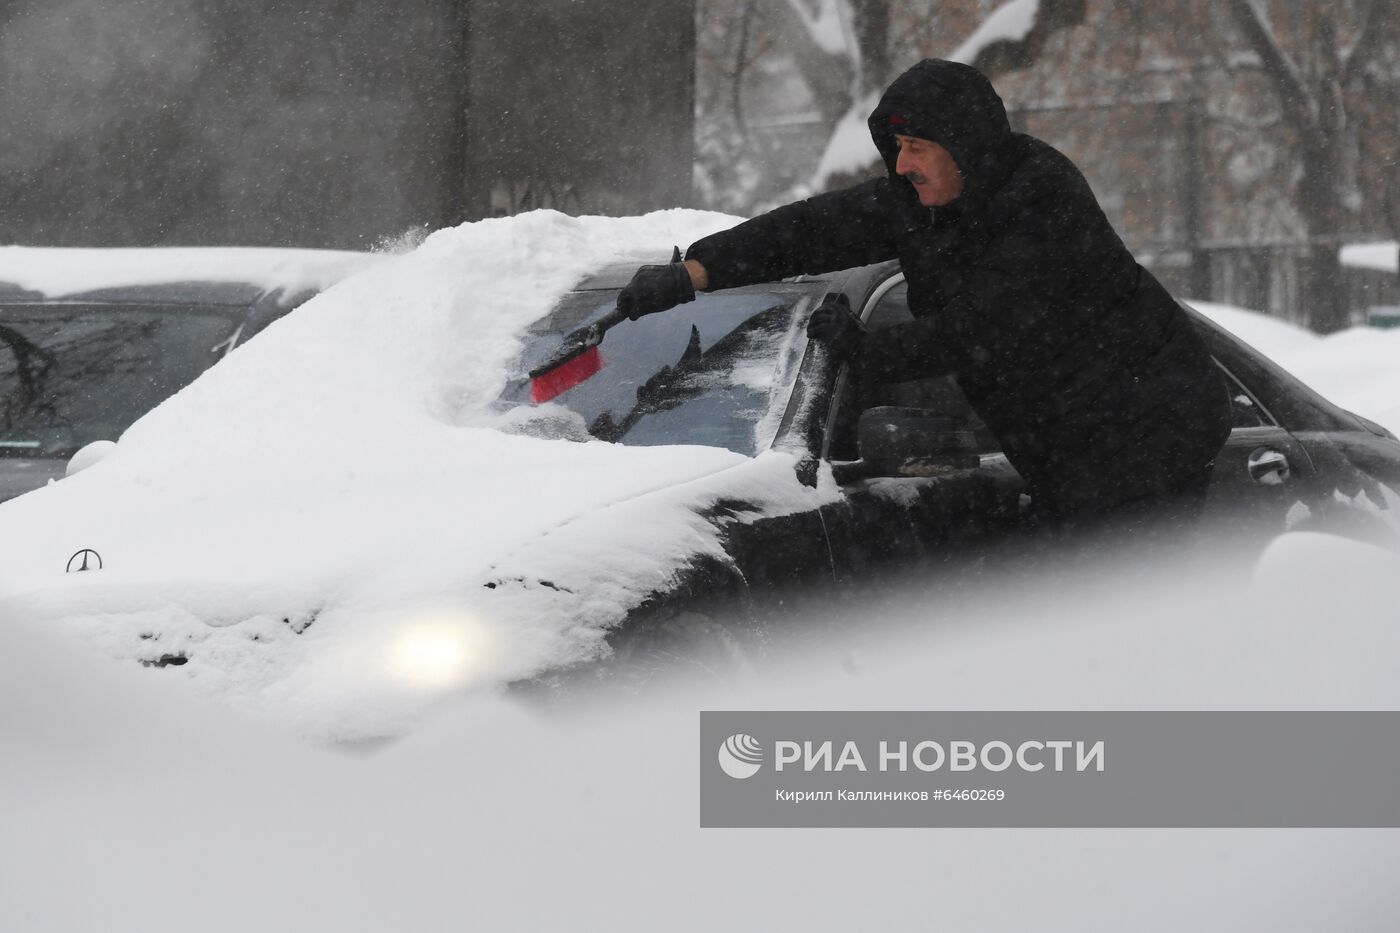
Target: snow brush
(576,359)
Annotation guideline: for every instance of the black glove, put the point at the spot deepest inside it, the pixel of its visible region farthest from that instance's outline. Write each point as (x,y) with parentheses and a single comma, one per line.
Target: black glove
(834,325)
(656,288)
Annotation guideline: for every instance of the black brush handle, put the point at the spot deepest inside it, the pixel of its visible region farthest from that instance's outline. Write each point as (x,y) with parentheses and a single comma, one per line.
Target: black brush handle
(579,342)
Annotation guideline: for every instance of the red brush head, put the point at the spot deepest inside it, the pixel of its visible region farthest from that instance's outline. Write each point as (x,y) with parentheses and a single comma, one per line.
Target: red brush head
(565,376)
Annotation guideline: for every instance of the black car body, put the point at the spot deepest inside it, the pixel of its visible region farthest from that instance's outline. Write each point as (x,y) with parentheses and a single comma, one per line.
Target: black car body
(1294,460)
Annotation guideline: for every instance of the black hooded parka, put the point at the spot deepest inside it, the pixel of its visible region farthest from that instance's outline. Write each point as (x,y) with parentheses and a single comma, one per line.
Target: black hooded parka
(1084,367)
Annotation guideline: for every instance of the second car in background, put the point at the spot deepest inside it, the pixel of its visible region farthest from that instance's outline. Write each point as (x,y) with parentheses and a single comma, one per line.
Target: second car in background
(92,339)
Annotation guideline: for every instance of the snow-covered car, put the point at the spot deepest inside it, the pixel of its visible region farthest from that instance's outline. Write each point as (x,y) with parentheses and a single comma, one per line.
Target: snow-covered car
(368,500)
(91,339)
(915,478)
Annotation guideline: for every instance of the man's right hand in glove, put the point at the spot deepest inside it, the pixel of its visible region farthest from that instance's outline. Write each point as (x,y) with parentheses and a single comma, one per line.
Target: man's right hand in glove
(835,325)
(656,288)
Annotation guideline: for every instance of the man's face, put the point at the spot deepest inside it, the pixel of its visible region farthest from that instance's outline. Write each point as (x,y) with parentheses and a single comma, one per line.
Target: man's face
(930,169)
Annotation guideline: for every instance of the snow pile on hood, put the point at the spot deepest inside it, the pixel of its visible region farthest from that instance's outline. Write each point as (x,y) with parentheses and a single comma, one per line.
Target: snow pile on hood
(55,273)
(314,521)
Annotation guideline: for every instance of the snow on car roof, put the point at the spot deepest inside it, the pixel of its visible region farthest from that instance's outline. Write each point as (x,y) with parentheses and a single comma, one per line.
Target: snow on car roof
(153,273)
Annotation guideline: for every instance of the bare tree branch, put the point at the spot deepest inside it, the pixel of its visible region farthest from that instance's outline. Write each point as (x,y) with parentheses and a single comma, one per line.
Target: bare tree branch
(1239,123)
(1293,91)
(741,65)
(872,28)
(1006,55)
(828,75)
(1374,16)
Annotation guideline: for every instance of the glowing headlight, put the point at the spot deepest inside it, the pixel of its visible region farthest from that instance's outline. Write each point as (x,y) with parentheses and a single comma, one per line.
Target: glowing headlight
(437,652)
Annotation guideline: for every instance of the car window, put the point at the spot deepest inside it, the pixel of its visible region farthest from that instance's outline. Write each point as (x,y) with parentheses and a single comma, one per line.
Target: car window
(940,394)
(716,371)
(943,395)
(70,375)
(1245,408)
(1246,412)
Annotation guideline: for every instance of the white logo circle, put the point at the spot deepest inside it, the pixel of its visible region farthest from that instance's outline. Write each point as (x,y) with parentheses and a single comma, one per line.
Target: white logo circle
(741,756)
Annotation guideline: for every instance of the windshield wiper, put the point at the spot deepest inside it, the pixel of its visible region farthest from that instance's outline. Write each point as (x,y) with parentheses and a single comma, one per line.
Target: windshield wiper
(668,388)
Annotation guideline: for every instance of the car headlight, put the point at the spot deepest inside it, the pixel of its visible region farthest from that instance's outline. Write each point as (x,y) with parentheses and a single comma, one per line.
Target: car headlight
(438,651)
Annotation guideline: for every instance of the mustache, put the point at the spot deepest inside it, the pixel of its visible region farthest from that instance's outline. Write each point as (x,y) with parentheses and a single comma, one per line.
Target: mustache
(917,178)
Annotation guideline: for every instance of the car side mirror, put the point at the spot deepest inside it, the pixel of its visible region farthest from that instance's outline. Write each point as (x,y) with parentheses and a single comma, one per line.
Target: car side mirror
(898,441)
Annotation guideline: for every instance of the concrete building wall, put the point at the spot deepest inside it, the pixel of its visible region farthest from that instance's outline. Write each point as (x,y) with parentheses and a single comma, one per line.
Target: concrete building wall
(338,123)
(152,122)
(582,107)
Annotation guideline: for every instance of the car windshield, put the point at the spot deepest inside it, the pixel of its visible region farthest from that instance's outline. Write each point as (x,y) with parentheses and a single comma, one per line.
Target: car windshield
(715,371)
(70,375)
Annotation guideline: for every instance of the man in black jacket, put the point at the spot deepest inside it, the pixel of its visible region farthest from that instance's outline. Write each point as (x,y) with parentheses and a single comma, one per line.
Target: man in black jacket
(1095,382)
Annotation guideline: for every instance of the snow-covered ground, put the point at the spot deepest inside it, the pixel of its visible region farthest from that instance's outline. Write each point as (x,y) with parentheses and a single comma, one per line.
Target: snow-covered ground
(187,797)
(130,805)
(1358,368)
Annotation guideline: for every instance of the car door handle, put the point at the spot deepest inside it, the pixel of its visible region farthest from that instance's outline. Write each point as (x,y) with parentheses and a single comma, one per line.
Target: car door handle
(1268,466)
